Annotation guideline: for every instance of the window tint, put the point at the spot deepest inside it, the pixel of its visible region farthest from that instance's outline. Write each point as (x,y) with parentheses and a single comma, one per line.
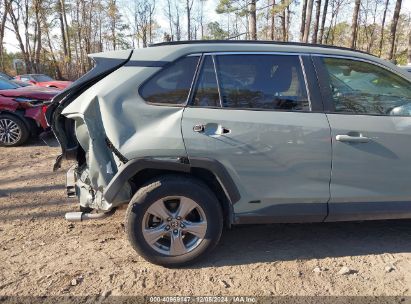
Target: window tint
(364,88)
(172,84)
(7,85)
(42,78)
(262,82)
(206,93)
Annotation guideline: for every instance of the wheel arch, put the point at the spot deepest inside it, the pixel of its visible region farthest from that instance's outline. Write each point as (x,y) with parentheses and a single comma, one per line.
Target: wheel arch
(20,115)
(138,171)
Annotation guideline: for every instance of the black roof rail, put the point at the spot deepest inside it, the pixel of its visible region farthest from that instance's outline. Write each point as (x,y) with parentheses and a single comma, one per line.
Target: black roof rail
(258,42)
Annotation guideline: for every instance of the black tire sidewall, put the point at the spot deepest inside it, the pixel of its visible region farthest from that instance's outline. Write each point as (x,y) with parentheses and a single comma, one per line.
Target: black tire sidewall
(173,186)
(23,129)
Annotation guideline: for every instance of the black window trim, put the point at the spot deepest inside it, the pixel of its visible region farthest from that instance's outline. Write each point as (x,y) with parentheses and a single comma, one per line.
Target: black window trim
(303,63)
(323,80)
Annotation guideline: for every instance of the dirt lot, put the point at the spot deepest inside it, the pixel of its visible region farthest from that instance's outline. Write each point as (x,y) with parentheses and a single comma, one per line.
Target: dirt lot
(42,254)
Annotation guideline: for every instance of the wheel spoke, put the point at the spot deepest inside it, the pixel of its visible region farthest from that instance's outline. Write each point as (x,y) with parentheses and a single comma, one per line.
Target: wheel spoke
(152,235)
(177,246)
(159,210)
(186,206)
(196,228)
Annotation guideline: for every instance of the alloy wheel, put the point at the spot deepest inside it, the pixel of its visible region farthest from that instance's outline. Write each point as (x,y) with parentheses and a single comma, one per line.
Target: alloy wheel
(10,132)
(174,225)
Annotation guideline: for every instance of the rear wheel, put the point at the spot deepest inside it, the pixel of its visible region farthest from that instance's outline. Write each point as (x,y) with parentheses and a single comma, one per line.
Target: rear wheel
(174,221)
(13,131)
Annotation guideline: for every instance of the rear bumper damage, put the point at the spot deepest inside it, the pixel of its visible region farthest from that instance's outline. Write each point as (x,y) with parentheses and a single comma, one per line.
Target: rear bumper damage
(87,179)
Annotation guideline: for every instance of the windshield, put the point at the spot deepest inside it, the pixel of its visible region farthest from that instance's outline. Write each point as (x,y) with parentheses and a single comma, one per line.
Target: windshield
(42,78)
(7,85)
(5,76)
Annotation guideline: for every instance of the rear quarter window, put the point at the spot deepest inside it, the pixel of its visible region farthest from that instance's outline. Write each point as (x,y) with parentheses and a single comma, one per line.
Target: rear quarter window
(172,84)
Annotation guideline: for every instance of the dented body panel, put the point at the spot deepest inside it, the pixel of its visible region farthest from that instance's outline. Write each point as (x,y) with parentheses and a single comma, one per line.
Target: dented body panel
(103,123)
(115,111)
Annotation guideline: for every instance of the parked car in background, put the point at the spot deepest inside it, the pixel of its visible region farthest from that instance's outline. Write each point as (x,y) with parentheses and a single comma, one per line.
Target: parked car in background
(10,78)
(43,80)
(22,112)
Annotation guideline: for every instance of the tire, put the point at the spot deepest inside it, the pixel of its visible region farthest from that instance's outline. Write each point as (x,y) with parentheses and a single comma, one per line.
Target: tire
(173,192)
(19,131)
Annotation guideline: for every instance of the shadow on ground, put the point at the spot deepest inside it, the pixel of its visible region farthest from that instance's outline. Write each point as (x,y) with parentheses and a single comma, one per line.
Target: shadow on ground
(284,242)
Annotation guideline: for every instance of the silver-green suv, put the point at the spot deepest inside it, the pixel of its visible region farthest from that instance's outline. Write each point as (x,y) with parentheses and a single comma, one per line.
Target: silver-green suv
(197,135)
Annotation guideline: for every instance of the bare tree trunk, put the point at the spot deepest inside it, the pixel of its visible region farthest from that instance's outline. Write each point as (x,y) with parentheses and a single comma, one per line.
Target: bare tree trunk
(188,9)
(170,19)
(2,28)
(325,7)
(58,71)
(316,21)
(253,20)
(272,30)
(394,27)
(202,18)
(354,24)
(283,21)
(382,27)
(303,14)
(38,46)
(63,10)
(62,29)
(409,47)
(308,20)
(15,21)
(288,23)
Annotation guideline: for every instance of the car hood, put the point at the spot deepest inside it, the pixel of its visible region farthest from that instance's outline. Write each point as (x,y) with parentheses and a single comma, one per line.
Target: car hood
(31,92)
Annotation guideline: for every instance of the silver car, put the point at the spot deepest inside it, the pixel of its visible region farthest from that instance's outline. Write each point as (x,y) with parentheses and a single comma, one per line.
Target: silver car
(194,136)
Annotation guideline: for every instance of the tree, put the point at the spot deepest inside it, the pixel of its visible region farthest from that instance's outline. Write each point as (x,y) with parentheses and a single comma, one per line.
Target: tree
(354,24)
(189,6)
(316,21)
(409,46)
(3,19)
(323,21)
(307,26)
(394,27)
(272,27)
(253,20)
(383,27)
(303,15)
(215,31)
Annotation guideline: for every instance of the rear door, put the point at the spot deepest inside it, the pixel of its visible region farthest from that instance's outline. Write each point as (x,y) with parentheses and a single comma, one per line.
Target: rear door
(369,113)
(254,114)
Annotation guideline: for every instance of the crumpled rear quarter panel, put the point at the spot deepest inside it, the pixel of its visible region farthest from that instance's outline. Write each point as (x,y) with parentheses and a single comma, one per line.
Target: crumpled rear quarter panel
(113,108)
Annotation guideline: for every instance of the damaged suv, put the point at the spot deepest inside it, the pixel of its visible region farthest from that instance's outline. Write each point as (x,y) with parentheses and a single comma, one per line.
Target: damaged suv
(197,135)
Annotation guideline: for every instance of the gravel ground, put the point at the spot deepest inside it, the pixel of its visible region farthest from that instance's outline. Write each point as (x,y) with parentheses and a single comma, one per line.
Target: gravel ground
(42,254)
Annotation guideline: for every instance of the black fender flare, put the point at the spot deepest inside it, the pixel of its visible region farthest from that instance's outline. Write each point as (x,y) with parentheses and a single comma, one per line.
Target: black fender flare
(180,164)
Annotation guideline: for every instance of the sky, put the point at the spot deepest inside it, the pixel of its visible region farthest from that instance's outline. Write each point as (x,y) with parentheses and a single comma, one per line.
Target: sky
(210,14)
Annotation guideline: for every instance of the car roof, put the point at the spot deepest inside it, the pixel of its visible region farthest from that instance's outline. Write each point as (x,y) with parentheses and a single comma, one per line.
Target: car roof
(170,51)
(254,42)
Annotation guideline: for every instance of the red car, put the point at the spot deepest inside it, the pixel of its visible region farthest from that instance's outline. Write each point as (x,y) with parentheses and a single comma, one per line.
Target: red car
(22,112)
(42,80)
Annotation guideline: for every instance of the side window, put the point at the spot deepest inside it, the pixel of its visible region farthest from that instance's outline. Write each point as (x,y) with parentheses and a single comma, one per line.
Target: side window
(273,82)
(364,88)
(172,84)
(206,93)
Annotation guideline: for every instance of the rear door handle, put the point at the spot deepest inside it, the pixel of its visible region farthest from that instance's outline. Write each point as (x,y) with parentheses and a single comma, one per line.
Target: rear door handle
(352,138)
